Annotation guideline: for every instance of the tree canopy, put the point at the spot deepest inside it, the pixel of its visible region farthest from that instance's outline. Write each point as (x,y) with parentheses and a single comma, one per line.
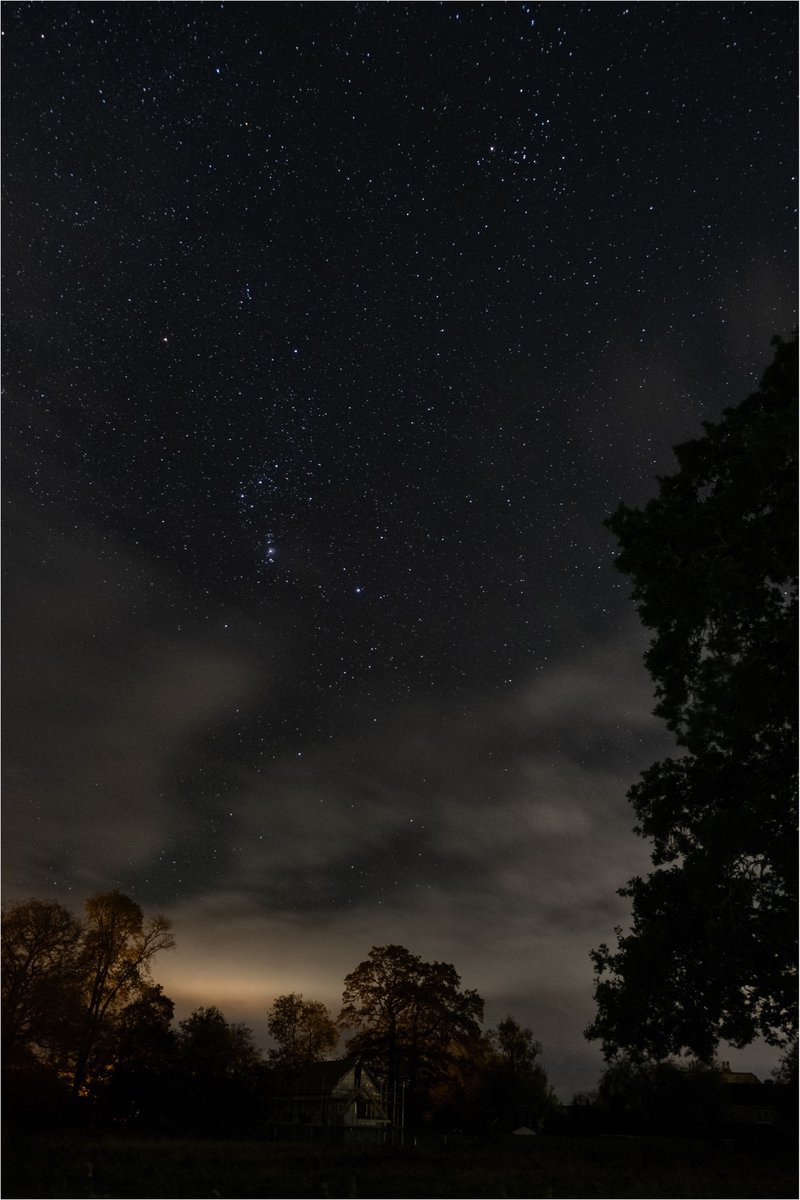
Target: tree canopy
(665,1097)
(41,977)
(495,1083)
(516,1086)
(211,1047)
(712,953)
(303,1030)
(118,947)
(410,1016)
(66,981)
(89,1035)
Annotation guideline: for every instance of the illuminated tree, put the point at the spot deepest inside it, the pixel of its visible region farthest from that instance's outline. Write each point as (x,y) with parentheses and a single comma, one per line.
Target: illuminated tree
(71,988)
(116,953)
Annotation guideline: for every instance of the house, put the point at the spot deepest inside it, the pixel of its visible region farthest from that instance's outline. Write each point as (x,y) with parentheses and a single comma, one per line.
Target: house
(753,1108)
(736,1077)
(337,1100)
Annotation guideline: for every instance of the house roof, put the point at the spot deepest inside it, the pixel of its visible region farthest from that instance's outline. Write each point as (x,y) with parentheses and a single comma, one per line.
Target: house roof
(320,1076)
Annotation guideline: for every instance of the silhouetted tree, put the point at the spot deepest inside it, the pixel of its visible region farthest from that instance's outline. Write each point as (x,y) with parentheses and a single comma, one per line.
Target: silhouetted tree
(712,950)
(498,1084)
(458,1099)
(217,1072)
(208,1045)
(516,1084)
(66,986)
(786,1070)
(411,1019)
(143,1033)
(141,1053)
(41,975)
(515,1045)
(304,1030)
(663,1097)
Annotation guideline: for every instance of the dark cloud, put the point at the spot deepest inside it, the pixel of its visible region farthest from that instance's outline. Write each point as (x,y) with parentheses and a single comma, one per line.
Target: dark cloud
(111,695)
(491,831)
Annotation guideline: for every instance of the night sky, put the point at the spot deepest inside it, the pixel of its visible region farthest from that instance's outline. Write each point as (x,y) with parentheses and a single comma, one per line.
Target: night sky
(333,332)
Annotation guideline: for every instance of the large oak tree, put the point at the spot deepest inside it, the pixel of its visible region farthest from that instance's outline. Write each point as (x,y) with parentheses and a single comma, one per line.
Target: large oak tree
(712,952)
(410,1018)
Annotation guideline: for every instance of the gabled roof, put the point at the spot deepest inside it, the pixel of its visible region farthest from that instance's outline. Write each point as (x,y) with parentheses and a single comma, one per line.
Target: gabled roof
(320,1076)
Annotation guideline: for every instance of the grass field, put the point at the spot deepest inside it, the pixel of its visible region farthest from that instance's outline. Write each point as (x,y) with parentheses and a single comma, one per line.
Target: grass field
(81,1166)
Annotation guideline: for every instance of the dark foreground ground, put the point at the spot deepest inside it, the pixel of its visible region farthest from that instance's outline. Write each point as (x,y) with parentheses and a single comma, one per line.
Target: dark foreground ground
(541,1167)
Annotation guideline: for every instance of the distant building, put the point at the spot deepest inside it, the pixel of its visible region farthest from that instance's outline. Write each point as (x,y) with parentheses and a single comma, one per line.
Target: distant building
(691,1100)
(754,1106)
(729,1076)
(331,1101)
